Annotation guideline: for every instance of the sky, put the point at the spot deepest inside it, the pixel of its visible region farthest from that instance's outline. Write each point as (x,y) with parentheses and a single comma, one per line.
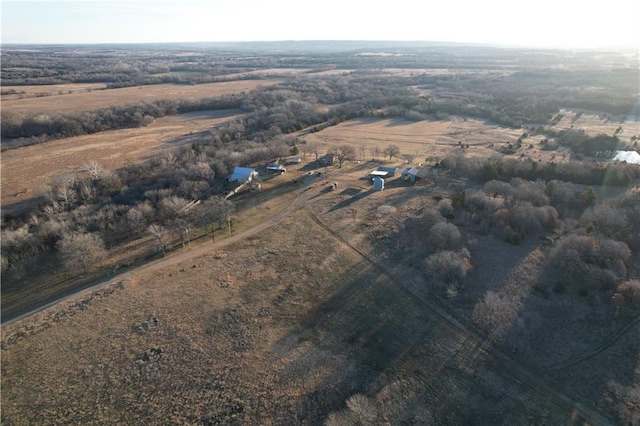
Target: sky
(539,23)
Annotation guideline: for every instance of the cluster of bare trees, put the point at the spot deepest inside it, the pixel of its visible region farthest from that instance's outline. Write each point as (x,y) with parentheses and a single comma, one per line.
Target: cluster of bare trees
(505,169)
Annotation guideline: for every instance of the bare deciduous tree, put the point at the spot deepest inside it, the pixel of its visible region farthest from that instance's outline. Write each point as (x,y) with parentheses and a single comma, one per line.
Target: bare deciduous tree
(444,236)
(95,169)
(159,233)
(314,148)
(343,153)
(81,250)
(391,151)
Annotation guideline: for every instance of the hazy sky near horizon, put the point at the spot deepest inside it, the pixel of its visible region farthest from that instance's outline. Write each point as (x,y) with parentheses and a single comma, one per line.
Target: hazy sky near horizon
(543,23)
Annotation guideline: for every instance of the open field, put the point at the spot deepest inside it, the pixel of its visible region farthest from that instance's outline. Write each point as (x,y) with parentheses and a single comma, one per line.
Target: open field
(427,138)
(48,90)
(287,324)
(594,124)
(87,101)
(501,287)
(270,330)
(26,170)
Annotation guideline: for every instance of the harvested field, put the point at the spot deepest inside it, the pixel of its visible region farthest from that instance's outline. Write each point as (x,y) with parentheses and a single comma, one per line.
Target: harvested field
(87,101)
(48,90)
(27,169)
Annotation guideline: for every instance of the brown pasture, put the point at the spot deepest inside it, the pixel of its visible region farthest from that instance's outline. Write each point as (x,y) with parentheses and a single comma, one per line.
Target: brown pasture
(27,169)
(87,101)
(280,328)
(39,90)
(595,124)
(423,139)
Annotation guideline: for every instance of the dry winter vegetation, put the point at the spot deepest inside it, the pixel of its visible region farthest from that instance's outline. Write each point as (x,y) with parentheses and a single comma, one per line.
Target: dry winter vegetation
(502,287)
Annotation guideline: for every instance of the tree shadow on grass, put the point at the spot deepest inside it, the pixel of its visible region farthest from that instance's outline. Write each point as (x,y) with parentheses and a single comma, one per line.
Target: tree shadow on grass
(356,194)
(370,337)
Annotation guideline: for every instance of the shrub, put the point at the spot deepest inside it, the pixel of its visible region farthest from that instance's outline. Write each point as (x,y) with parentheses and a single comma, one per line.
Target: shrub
(446,209)
(497,313)
(597,262)
(448,266)
(444,236)
(560,287)
(631,292)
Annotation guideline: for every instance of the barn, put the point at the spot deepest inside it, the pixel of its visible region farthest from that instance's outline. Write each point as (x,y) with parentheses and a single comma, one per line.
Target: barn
(242,175)
(411,174)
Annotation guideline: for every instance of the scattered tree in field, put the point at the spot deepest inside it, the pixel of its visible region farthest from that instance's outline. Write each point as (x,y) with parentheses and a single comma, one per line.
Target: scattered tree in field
(375,151)
(159,233)
(497,313)
(343,153)
(314,148)
(81,250)
(360,411)
(391,151)
(363,150)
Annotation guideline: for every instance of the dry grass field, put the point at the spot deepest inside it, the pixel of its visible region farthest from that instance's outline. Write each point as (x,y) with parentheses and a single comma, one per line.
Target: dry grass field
(26,170)
(86,101)
(424,139)
(26,91)
(594,124)
(284,326)
(271,330)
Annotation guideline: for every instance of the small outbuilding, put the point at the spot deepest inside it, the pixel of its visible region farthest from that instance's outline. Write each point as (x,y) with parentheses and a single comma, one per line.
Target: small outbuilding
(276,168)
(242,175)
(378,183)
(327,160)
(411,174)
(295,160)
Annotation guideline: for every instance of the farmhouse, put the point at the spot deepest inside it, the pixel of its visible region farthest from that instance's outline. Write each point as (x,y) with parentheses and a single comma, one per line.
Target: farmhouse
(242,175)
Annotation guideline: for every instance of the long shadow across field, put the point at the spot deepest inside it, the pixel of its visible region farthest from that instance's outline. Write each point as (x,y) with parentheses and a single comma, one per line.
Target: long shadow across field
(356,195)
